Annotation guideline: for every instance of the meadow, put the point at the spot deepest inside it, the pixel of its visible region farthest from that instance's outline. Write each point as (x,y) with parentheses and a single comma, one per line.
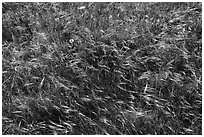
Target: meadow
(102,68)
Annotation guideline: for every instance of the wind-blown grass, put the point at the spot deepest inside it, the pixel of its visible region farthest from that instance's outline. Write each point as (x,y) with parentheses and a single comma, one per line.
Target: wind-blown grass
(102,68)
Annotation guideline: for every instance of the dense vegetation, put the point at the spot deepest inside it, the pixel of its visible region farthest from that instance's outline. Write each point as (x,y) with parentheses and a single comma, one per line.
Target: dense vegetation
(101,68)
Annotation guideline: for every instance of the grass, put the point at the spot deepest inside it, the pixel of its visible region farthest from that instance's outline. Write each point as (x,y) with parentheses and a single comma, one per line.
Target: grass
(101,68)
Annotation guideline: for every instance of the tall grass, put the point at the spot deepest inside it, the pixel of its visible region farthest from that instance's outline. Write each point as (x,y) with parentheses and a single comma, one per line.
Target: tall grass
(102,68)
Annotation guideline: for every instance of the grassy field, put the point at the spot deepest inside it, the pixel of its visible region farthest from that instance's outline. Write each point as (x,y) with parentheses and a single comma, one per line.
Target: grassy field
(102,68)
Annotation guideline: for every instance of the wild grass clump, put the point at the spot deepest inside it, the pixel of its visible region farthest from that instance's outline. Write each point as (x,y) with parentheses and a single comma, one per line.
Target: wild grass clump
(102,68)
